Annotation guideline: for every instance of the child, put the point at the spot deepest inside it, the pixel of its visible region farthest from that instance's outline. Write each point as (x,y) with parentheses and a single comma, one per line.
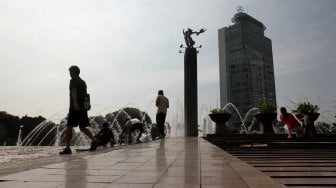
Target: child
(104,136)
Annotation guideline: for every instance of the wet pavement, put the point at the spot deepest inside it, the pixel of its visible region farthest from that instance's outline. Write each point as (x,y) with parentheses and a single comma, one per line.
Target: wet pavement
(172,162)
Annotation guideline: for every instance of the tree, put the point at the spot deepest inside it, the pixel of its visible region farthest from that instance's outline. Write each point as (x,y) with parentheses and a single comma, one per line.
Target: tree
(9,126)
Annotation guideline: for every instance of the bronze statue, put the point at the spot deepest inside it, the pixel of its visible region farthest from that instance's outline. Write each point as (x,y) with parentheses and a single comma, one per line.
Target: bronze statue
(187,36)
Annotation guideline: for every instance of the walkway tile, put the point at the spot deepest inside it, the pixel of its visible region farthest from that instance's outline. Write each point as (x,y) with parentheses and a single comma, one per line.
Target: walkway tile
(172,162)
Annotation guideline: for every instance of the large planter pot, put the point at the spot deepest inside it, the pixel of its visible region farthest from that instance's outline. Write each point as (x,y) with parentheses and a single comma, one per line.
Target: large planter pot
(266,119)
(220,119)
(313,116)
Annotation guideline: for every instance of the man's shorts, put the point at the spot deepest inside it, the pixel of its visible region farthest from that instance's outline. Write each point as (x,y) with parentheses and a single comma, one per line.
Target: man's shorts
(76,118)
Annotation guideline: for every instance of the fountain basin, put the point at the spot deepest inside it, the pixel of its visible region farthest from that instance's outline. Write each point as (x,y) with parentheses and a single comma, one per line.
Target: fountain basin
(266,119)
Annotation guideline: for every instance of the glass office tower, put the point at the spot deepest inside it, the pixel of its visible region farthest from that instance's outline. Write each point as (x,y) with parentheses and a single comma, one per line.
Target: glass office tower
(245,64)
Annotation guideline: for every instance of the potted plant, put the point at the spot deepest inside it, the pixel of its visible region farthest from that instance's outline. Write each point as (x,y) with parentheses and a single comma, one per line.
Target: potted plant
(220,116)
(308,108)
(267,114)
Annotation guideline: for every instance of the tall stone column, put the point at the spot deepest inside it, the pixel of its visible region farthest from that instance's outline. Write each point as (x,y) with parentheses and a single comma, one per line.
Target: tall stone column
(190,83)
(190,92)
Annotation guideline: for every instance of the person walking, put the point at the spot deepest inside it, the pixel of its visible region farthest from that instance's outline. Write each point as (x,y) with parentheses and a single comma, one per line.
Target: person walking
(78,115)
(162,104)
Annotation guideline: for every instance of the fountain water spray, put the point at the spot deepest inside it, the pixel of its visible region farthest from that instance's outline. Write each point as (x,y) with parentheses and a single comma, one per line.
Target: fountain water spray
(18,143)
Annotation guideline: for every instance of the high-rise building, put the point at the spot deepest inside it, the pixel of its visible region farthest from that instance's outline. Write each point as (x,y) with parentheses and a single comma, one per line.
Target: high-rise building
(245,64)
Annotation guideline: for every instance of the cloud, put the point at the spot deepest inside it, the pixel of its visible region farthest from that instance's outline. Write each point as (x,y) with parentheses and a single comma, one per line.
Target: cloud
(129,49)
(300,55)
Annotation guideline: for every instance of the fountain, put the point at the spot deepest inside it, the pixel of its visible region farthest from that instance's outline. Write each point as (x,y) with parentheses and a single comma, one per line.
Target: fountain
(230,106)
(47,138)
(178,129)
(18,143)
(58,135)
(48,133)
(249,125)
(30,139)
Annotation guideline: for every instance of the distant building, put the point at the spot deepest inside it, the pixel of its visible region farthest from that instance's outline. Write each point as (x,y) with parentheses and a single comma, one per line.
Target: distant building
(245,64)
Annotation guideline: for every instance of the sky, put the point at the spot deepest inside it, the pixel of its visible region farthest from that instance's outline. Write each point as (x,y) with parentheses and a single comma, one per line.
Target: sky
(128,49)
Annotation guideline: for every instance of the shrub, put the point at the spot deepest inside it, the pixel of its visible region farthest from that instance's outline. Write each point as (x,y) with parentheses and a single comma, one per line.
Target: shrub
(267,107)
(219,111)
(306,108)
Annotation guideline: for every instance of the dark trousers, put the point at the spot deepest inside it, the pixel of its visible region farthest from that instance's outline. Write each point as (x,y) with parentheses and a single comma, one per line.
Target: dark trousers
(160,120)
(309,131)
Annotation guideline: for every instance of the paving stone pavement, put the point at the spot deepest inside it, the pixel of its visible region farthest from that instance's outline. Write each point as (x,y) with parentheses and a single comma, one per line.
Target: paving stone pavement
(171,162)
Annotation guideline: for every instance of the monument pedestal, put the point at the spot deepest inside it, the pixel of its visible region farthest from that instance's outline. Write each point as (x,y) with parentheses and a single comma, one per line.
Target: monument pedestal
(190,92)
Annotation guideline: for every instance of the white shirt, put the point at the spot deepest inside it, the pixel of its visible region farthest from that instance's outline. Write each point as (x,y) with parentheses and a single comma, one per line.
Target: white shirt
(135,121)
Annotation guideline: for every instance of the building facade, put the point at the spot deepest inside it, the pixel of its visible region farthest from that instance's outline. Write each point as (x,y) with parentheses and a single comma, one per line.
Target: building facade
(245,64)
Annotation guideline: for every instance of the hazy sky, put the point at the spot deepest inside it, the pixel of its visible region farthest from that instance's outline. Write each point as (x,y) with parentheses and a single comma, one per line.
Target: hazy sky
(128,49)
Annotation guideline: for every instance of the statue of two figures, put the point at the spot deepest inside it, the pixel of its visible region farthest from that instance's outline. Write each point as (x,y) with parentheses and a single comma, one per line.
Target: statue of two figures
(187,36)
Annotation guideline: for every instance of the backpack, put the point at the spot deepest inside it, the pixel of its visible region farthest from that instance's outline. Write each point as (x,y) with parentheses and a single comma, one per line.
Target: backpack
(87,104)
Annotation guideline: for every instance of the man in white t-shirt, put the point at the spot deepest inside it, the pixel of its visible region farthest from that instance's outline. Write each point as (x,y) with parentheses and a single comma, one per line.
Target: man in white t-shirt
(130,126)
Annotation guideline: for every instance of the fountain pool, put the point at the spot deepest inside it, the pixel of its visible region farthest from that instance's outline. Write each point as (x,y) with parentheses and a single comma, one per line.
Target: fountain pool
(15,154)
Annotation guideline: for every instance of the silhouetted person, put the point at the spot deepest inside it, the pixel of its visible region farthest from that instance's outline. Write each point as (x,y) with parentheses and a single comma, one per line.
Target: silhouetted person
(104,136)
(292,123)
(308,125)
(162,104)
(77,112)
(130,126)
